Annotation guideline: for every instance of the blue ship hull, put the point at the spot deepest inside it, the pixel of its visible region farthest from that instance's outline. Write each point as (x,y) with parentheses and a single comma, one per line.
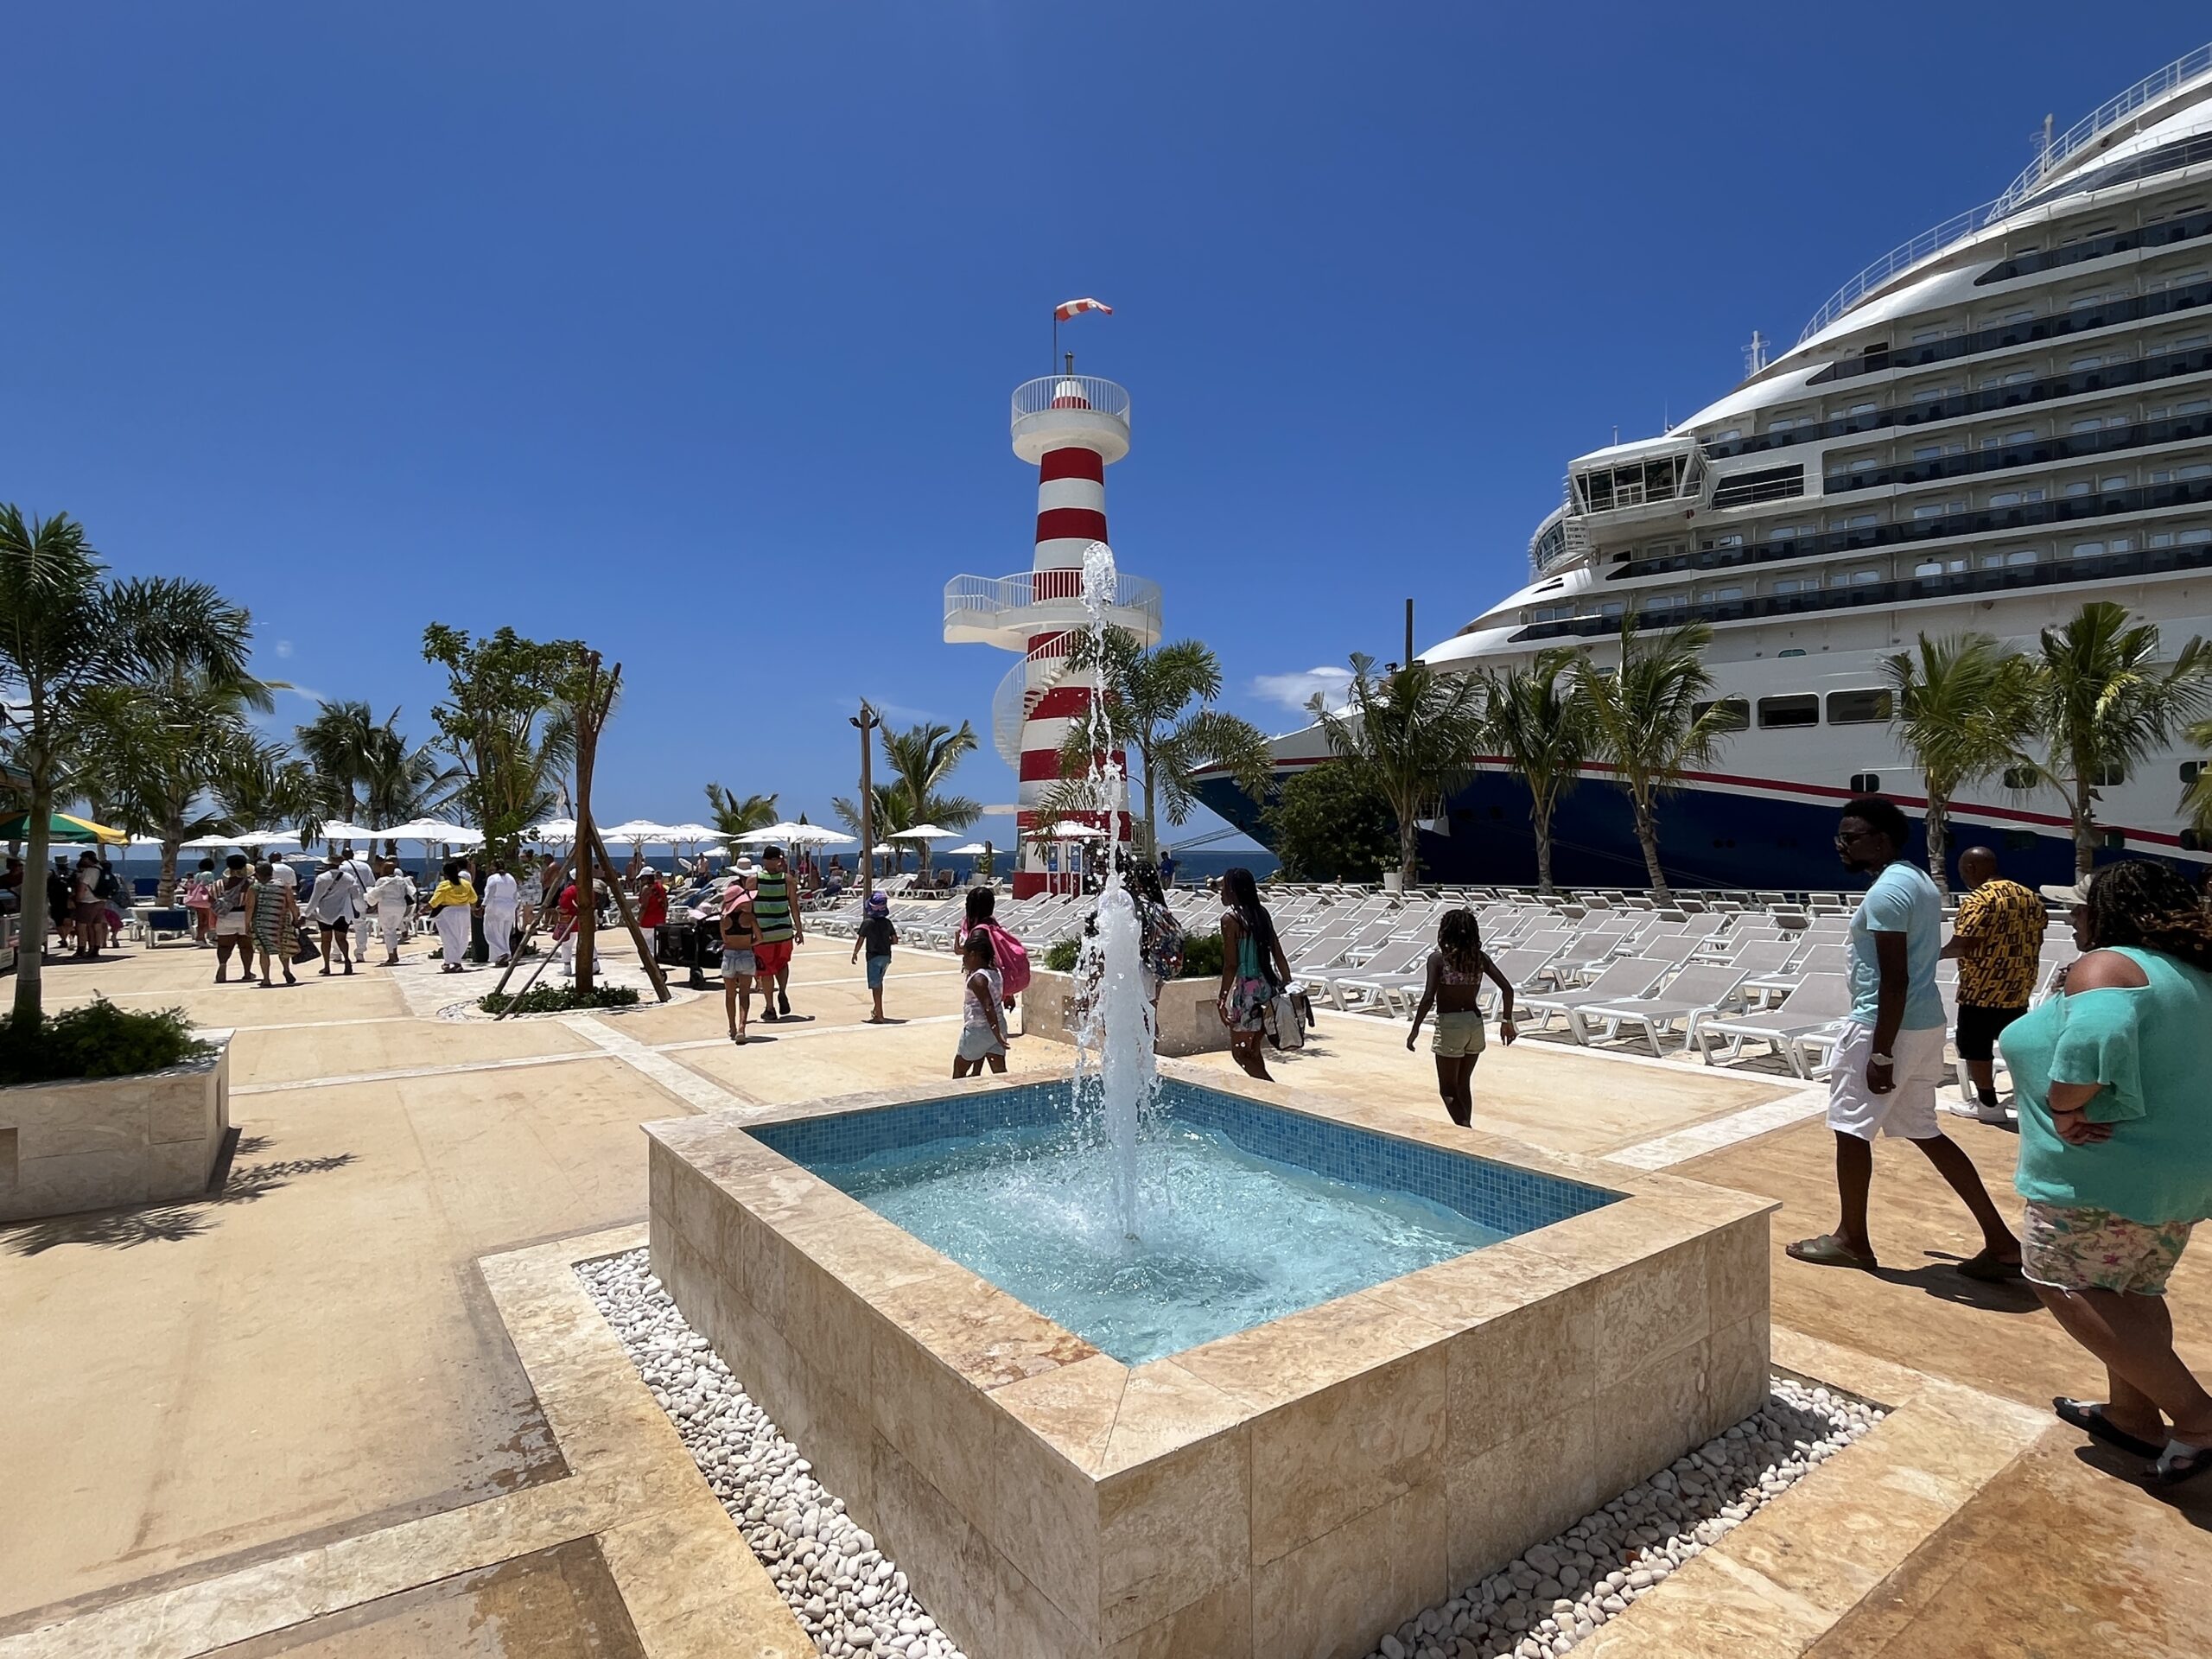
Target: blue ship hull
(1708,837)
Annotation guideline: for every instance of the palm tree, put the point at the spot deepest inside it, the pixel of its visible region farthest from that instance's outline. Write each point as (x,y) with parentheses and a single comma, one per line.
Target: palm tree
(262,789)
(922,758)
(739,816)
(1146,711)
(2102,701)
(153,748)
(336,744)
(65,632)
(1960,708)
(1414,733)
(1532,717)
(890,814)
(401,781)
(1644,721)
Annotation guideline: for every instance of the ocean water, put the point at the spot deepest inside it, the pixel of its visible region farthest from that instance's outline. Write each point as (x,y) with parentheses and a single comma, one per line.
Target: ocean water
(1229,1239)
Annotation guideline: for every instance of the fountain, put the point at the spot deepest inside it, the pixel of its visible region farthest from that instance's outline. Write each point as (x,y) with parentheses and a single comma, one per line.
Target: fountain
(1311,1365)
(1114,1064)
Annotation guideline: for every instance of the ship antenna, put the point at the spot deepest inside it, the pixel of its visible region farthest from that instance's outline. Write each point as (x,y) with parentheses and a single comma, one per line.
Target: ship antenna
(2043,164)
(1755,354)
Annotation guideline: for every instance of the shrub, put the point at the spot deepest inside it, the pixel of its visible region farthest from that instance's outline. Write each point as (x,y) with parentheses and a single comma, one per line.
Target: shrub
(559,999)
(98,1040)
(1201,956)
(1331,824)
(1061,954)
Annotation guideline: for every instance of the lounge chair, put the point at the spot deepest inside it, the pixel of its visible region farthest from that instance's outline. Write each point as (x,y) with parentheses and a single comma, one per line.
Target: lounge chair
(1704,989)
(1818,1001)
(1629,977)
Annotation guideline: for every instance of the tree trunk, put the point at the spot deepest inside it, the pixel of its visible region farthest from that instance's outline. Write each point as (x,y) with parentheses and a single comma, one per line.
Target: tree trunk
(165,890)
(30,941)
(1647,836)
(1408,850)
(1937,825)
(1150,845)
(1540,820)
(2085,830)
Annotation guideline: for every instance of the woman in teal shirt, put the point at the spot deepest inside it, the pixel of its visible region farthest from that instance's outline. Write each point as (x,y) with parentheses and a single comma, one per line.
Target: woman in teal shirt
(2116,1153)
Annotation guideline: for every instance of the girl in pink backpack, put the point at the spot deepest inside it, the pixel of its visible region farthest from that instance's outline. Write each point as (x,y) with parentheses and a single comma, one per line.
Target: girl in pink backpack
(1006,953)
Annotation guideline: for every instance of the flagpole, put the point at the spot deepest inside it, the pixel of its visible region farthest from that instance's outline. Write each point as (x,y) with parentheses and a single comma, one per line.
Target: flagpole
(1056,340)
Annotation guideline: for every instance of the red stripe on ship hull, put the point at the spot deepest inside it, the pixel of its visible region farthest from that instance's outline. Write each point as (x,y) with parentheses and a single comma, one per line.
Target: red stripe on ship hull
(1072,463)
(1072,524)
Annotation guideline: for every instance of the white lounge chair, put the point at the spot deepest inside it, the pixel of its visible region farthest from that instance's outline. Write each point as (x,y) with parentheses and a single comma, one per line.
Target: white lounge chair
(1704,989)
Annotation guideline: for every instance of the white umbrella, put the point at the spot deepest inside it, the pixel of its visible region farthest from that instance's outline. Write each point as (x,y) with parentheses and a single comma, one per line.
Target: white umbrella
(433,829)
(251,838)
(347,832)
(925,832)
(694,832)
(641,831)
(1068,832)
(560,829)
(149,841)
(973,849)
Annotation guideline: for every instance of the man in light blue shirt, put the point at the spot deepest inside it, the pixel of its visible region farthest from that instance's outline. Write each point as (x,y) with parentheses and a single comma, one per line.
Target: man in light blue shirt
(1882,1076)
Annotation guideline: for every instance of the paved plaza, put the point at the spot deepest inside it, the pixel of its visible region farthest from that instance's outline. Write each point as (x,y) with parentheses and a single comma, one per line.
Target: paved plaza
(356,1405)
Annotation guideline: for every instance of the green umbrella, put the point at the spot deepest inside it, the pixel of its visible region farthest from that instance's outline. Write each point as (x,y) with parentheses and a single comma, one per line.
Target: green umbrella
(60,826)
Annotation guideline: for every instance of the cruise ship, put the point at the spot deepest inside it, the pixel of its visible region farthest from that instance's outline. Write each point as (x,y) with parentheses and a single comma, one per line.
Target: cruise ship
(2005,418)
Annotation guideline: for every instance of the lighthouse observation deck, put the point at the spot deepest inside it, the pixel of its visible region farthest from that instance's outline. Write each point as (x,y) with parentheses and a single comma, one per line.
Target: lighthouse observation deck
(1063,411)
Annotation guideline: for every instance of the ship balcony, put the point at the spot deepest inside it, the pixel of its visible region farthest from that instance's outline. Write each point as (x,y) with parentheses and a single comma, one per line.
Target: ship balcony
(1071,412)
(1010,611)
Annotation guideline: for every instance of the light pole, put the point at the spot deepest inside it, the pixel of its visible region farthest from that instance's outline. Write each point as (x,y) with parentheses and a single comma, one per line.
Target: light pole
(868,720)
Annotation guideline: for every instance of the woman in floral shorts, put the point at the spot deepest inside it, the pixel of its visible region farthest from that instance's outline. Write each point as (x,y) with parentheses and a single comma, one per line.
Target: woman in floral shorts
(2116,1153)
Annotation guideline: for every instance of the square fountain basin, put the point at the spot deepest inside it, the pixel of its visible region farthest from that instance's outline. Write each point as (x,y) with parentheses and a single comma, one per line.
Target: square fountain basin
(1290,1473)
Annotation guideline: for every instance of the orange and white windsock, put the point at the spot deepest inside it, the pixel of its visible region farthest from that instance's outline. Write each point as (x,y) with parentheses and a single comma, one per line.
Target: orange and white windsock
(1067,308)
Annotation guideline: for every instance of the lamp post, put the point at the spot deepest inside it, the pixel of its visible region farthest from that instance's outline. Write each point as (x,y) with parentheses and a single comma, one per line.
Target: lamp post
(868,720)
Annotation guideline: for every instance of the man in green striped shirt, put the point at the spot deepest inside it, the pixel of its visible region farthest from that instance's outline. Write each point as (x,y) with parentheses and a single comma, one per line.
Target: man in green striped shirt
(775,908)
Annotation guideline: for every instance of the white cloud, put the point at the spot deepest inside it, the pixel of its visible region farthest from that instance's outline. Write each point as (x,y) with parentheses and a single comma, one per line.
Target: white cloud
(283,648)
(1294,691)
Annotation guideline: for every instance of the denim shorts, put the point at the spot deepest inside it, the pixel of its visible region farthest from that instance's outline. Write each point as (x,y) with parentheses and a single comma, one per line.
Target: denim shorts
(739,964)
(877,968)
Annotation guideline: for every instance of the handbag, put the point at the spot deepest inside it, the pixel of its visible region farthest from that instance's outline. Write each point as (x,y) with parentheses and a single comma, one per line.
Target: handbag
(1284,1021)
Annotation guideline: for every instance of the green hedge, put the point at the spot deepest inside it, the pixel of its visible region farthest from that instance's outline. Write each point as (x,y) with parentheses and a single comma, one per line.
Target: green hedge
(98,1040)
(1201,956)
(559,999)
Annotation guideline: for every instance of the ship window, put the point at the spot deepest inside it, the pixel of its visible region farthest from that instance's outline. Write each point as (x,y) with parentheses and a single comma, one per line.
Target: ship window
(2122,544)
(1861,578)
(2088,549)
(2019,778)
(2189,771)
(1865,783)
(1798,585)
(2118,481)
(2191,537)
(1857,708)
(1796,710)
(2193,405)
(1771,484)
(2108,777)
(2161,539)
(1722,595)
(1864,464)
(1933,509)
(1666,601)
(1729,436)
(2189,343)
(2092,424)
(1927,451)
(1735,712)
(2080,486)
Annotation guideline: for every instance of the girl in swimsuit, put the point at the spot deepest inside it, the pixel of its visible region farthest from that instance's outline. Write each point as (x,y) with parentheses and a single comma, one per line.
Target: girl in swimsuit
(1456,968)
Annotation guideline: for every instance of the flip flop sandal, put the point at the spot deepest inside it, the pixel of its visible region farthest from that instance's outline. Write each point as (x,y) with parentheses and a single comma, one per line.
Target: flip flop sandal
(1989,1269)
(2090,1419)
(1827,1251)
(2179,1462)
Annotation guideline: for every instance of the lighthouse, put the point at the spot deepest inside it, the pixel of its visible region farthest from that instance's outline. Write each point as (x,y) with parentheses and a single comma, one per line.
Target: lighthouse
(1070,426)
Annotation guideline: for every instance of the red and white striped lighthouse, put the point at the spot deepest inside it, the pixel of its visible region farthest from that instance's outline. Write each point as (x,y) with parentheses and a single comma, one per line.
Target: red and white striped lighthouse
(1071,427)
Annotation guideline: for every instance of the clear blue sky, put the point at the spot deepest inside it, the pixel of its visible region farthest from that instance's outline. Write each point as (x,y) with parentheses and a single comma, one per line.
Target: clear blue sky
(689,328)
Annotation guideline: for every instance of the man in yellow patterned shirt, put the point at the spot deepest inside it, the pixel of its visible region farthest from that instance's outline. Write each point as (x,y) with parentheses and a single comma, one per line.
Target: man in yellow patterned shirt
(1997,938)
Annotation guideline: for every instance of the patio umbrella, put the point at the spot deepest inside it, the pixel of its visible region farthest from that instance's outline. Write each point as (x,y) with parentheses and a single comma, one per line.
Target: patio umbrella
(247,838)
(640,831)
(925,832)
(342,831)
(433,829)
(63,826)
(559,830)
(973,849)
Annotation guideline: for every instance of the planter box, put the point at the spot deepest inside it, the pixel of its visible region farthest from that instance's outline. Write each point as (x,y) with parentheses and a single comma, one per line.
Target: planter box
(95,1143)
(1190,1023)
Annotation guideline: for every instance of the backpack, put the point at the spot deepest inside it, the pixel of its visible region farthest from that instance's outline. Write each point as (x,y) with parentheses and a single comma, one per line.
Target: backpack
(107,887)
(1009,958)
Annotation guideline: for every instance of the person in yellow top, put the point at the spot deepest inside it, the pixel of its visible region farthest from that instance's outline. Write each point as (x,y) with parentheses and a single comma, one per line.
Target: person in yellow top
(451,906)
(1997,939)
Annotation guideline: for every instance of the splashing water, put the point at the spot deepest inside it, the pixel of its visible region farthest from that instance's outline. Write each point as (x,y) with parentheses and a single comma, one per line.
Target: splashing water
(1115,1023)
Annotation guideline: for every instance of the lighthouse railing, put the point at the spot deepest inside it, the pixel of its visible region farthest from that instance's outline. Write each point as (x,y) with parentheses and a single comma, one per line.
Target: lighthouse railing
(1072,392)
(967,596)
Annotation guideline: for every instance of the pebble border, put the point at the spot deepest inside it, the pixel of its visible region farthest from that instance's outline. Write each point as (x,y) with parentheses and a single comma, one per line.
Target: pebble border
(854,1601)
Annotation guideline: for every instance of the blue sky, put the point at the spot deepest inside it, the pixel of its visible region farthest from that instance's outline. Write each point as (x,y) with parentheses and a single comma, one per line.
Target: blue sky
(689,329)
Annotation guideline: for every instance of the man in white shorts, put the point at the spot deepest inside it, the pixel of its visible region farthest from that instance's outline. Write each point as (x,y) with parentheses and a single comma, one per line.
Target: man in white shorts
(1883,1077)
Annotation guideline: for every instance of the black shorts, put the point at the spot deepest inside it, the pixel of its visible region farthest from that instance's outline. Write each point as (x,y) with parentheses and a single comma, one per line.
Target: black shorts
(338,926)
(1978,1029)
